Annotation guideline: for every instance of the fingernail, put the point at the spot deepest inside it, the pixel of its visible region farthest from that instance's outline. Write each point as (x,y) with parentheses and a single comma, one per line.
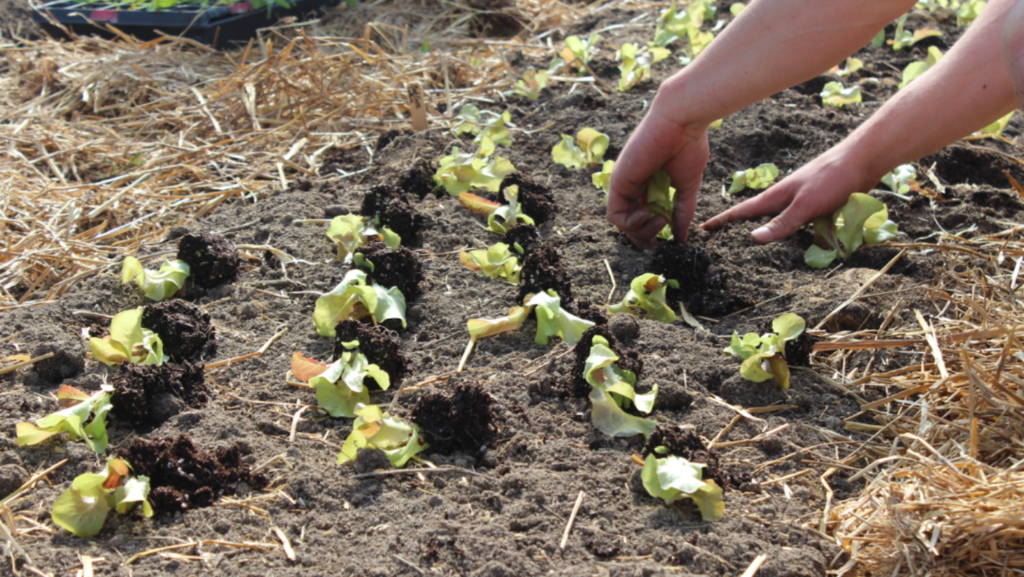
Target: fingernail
(762,235)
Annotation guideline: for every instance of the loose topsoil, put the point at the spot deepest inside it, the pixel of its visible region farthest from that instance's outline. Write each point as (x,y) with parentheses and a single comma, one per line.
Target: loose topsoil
(500,508)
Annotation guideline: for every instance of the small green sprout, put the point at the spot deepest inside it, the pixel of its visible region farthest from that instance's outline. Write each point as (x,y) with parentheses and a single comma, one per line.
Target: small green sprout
(472,121)
(758,178)
(350,232)
(969,11)
(646,297)
(736,8)
(373,429)
(354,299)
(532,83)
(73,419)
(612,390)
(588,149)
(997,127)
(553,320)
(636,65)
(603,180)
(852,65)
(671,26)
(496,262)
(767,350)
(158,285)
(508,215)
(340,389)
(460,171)
(919,67)
(82,509)
(660,200)
(902,180)
(904,38)
(128,342)
(862,220)
(576,53)
(836,95)
(673,478)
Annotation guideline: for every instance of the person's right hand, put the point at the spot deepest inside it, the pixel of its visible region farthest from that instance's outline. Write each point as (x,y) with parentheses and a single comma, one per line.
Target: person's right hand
(660,142)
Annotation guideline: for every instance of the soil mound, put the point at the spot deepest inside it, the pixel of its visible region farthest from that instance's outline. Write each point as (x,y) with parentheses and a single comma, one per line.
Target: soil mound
(184,328)
(543,270)
(213,260)
(456,421)
(388,205)
(525,235)
(536,200)
(702,289)
(150,394)
(629,360)
(418,179)
(378,345)
(396,267)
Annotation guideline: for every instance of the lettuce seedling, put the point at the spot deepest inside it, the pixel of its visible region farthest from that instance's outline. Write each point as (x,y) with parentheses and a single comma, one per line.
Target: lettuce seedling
(128,342)
(480,328)
(304,368)
(373,429)
(862,220)
(637,67)
(852,65)
(902,180)
(612,390)
(509,215)
(969,11)
(588,149)
(532,83)
(553,320)
(767,350)
(493,127)
(340,389)
(671,26)
(646,297)
(919,67)
(736,8)
(904,38)
(997,127)
(82,416)
(660,200)
(158,285)
(352,231)
(354,299)
(460,171)
(758,178)
(82,509)
(577,53)
(673,478)
(836,95)
(603,180)
(496,262)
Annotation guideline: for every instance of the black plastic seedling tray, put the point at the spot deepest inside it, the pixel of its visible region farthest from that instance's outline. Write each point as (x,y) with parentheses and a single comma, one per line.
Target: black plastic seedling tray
(218,26)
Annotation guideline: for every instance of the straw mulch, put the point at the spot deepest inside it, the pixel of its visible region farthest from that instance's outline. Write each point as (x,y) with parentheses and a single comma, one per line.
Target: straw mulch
(109,144)
(944,456)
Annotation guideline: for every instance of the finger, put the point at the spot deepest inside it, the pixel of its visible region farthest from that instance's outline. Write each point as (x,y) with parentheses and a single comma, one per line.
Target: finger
(643,235)
(770,202)
(687,172)
(792,218)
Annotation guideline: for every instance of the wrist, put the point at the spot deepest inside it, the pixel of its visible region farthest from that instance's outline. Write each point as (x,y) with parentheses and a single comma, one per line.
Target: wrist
(680,103)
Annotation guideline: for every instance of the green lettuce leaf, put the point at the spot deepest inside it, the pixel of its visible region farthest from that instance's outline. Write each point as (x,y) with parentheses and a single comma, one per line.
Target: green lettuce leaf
(758,178)
(501,219)
(603,180)
(647,296)
(612,390)
(480,328)
(458,172)
(354,299)
(862,218)
(350,232)
(532,83)
(83,418)
(587,150)
(673,478)
(553,320)
(373,429)
(340,389)
(82,508)
(497,261)
(158,285)
(836,95)
(128,342)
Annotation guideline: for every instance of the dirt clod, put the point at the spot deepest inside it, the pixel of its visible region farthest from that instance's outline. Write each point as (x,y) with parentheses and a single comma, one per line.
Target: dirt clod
(526,235)
(389,206)
(147,395)
(184,328)
(418,179)
(213,260)
(536,200)
(703,290)
(456,421)
(67,361)
(798,351)
(184,477)
(543,270)
(380,347)
(629,359)
(396,267)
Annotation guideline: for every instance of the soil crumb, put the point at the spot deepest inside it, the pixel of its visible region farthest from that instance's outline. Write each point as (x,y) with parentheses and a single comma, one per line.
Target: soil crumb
(456,421)
(393,268)
(184,328)
(629,360)
(149,394)
(213,260)
(702,289)
(183,477)
(379,345)
(536,200)
(389,207)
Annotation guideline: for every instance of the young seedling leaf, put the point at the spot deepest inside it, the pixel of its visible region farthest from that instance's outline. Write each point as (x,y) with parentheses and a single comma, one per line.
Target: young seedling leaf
(507,216)
(672,478)
(128,342)
(553,320)
(764,357)
(83,507)
(350,232)
(919,67)
(84,419)
(484,125)
(758,178)
(789,326)
(480,328)
(340,389)
(532,83)
(495,262)
(477,205)
(997,127)
(902,180)
(588,149)
(373,429)
(461,171)
(636,64)
(305,368)
(611,390)
(848,228)
(836,95)
(354,299)
(603,180)
(646,297)
(158,285)
(969,10)
(576,53)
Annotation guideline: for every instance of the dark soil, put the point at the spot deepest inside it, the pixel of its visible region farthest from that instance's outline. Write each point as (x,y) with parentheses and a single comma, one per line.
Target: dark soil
(379,345)
(184,328)
(629,360)
(389,206)
(542,271)
(147,395)
(798,351)
(526,235)
(397,267)
(536,200)
(703,289)
(459,420)
(183,476)
(688,445)
(418,180)
(213,259)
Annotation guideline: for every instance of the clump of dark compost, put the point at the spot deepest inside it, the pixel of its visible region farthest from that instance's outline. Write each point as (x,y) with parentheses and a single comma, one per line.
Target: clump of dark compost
(456,421)
(702,289)
(543,270)
(389,207)
(211,258)
(798,351)
(536,200)
(148,395)
(686,444)
(396,267)
(378,345)
(184,328)
(184,477)
(526,235)
(576,383)
(418,180)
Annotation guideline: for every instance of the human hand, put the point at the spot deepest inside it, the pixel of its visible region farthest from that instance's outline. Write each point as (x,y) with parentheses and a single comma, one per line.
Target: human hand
(659,142)
(820,187)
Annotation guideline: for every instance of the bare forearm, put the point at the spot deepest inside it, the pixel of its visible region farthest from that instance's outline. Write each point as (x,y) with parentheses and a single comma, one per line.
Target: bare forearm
(967,90)
(771,46)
